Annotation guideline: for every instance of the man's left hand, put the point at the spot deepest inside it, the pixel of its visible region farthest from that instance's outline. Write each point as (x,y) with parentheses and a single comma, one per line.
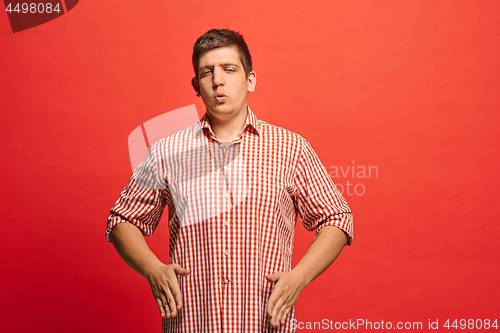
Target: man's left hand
(286,292)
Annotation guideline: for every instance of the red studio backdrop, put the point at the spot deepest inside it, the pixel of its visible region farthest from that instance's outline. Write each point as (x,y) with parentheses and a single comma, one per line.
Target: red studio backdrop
(399,98)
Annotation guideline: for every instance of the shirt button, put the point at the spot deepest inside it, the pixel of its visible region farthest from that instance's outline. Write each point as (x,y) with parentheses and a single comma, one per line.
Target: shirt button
(226,195)
(226,253)
(226,281)
(226,223)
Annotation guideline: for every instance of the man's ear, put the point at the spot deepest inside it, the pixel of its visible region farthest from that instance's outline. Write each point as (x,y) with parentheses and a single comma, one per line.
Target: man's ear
(196,85)
(251,81)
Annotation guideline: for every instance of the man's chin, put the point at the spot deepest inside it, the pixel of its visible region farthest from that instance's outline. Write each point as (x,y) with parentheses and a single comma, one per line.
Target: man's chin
(221,110)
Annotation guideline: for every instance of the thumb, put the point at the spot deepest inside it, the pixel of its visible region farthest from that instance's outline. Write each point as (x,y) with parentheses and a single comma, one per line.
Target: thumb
(181,271)
(273,277)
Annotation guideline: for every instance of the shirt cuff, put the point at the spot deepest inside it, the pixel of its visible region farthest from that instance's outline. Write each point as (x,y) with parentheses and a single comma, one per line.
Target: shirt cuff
(343,222)
(114,220)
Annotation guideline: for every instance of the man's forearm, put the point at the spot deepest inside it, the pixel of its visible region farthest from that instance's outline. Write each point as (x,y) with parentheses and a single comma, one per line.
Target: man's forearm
(132,247)
(323,251)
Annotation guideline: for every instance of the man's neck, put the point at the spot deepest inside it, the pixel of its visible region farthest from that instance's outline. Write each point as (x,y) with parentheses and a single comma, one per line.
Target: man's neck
(227,127)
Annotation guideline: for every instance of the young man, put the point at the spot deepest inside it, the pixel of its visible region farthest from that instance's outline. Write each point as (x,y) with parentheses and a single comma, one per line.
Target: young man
(233,185)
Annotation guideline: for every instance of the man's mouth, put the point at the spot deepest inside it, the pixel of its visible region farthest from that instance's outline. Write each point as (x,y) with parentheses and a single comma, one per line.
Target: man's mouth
(220,97)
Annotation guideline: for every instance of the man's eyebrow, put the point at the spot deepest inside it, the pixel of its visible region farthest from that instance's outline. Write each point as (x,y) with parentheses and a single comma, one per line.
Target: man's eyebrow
(230,64)
(223,65)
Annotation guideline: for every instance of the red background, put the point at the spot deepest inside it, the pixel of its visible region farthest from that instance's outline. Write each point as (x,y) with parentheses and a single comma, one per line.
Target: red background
(411,87)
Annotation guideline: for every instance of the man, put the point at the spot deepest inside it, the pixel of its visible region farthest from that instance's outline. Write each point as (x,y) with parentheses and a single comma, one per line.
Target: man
(234,186)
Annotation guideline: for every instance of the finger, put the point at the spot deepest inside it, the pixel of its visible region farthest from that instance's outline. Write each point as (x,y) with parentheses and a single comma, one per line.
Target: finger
(175,291)
(275,295)
(178,299)
(283,319)
(162,302)
(276,310)
(280,318)
(160,306)
(181,271)
(174,285)
(273,277)
(171,305)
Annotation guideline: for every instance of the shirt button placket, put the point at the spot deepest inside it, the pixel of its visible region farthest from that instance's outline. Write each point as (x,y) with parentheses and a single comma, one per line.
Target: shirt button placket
(225,244)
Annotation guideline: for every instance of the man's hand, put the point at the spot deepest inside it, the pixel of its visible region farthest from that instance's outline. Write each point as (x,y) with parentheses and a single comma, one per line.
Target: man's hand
(165,287)
(286,292)
(325,247)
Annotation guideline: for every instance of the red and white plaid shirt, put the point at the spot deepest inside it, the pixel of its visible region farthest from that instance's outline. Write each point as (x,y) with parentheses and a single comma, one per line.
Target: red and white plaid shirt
(232,212)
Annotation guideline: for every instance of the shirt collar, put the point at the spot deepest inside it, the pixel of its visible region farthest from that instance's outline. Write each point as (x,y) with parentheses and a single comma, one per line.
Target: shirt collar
(252,124)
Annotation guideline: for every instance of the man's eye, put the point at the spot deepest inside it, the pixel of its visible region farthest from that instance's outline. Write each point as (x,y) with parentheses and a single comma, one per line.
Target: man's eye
(207,72)
(231,70)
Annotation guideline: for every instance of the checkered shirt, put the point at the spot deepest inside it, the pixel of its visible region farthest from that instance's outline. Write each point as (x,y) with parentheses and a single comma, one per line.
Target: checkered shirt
(232,210)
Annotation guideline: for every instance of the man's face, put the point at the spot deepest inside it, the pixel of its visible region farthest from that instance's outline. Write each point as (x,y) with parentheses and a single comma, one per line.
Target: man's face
(222,82)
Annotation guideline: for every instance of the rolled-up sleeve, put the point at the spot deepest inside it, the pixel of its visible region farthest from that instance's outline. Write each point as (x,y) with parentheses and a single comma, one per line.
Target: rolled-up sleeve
(142,201)
(319,202)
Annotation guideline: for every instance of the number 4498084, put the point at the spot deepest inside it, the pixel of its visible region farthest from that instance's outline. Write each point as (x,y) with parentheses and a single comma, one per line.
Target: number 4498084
(33,8)
(471,324)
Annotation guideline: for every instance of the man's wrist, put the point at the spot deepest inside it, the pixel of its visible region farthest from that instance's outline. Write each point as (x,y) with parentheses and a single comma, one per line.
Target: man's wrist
(301,274)
(151,269)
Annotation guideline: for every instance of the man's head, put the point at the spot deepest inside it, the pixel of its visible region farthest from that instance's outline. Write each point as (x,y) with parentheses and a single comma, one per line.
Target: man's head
(215,38)
(224,74)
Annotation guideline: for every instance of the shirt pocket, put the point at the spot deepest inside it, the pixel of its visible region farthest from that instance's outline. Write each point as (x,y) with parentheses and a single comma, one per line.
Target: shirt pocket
(264,191)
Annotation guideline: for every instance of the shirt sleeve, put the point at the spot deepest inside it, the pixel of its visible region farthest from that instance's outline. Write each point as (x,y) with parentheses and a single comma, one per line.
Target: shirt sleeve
(142,201)
(319,201)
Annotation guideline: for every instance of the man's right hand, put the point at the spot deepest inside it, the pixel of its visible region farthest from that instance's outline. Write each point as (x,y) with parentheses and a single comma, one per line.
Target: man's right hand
(130,244)
(165,287)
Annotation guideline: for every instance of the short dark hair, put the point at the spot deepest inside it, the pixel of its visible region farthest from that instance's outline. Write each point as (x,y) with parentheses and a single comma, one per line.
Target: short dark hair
(215,38)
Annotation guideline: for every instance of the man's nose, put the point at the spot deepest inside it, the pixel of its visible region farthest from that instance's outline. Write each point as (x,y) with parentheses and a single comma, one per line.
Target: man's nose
(218,77)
